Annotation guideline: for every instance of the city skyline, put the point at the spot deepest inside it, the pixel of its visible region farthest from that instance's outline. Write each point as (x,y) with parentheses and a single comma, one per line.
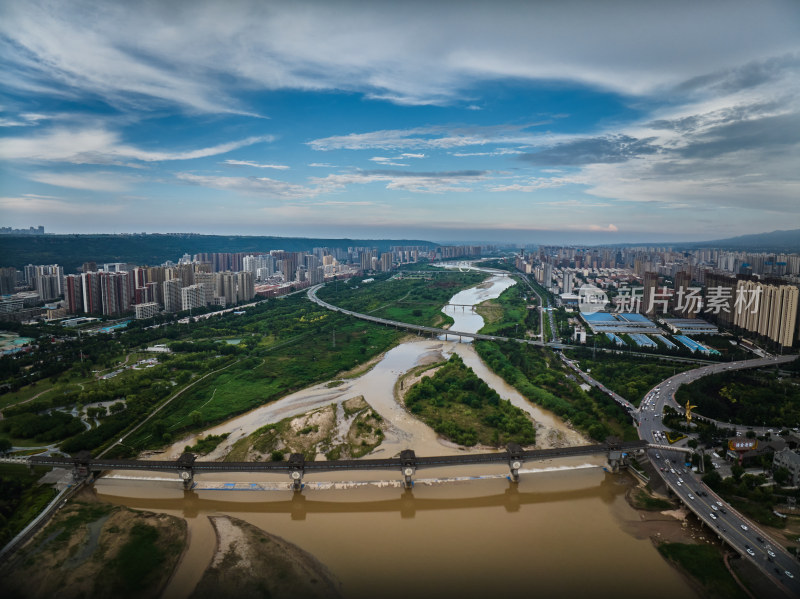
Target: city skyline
(569,123)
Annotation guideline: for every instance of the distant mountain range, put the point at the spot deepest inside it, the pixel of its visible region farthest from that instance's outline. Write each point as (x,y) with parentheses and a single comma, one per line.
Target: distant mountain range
(776,241)
(71,251)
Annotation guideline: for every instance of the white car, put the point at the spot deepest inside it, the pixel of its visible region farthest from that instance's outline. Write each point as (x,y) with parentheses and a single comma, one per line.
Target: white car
(789,574)
(771,552)
(713,515)
(691,496)
(744,527)
(750,551)
(714,507)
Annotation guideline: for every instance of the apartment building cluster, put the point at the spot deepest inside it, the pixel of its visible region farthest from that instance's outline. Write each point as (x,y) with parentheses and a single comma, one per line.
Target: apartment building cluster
(753,292)
(195,281)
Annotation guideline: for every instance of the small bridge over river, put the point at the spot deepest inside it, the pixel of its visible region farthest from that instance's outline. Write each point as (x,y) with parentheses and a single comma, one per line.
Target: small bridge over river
(83,465)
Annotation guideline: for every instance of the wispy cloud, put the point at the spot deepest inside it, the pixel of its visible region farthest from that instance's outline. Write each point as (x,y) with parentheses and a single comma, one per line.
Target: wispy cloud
(97,181)
(25,119)
(259,186)
(32,204)
(101,146)
(418,182)
(434,137)
(387,161)
(179,52)
(280,167)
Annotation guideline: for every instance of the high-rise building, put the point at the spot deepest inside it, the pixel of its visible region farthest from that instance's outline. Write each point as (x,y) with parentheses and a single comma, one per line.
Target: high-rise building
(207,280)
(8,280)
(649,293)
(289,266)
(567,281)
(386,261)
(683,304)
(92,298)
(116,292)
(366,260)
(317,275)
(172,295)
(193,297)
(73,293)
(146,310)
(245,286)
(768,310)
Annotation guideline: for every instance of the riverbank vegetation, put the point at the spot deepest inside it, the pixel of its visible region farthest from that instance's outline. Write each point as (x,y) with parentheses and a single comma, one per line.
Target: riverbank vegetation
(704,564)
(540,377)
(509,314)
(464,409)
(627,375)
(643,499)
(94,549)
(21,498)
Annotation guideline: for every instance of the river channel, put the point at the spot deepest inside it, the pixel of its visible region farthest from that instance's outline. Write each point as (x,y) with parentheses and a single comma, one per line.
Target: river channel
(565,531)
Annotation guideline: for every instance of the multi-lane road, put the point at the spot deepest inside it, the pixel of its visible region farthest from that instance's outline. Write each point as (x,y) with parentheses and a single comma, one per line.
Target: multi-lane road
(741,534)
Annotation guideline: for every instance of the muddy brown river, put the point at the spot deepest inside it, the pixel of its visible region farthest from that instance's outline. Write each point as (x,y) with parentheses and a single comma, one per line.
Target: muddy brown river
(565,530)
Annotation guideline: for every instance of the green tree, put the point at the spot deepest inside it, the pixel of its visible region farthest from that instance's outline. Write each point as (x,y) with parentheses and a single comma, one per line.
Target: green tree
(781,475)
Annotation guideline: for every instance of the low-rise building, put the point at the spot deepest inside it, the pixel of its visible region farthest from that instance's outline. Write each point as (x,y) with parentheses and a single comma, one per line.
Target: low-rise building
(786,458)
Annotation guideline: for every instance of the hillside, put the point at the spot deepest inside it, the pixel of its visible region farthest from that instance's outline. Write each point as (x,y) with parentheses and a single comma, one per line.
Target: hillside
(71,251)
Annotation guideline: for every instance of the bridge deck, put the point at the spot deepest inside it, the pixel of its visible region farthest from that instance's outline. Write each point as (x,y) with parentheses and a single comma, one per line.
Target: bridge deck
(332,465)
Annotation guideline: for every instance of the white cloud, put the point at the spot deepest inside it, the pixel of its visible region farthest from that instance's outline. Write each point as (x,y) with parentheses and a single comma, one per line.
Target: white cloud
(436,137)
(179,52)
(280,167)
(535,184)
(31,204)
(98,181)
(433,182)
(387,161)
(100,146)
(26,119)
(260,186)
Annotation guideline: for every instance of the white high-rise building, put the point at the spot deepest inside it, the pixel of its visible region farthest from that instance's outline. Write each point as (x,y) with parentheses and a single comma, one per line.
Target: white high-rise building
(193,297)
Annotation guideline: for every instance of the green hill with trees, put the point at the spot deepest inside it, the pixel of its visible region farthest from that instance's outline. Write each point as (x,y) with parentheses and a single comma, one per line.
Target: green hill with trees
(71,251)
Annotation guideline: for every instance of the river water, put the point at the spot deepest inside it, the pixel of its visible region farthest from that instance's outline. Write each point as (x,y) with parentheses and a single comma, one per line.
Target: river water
(564,531)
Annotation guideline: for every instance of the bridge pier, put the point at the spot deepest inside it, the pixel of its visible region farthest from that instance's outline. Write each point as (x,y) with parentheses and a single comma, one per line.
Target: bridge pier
(514,460)
(297,466)
(408,467)
(616,458)
(186,461)
(80,469)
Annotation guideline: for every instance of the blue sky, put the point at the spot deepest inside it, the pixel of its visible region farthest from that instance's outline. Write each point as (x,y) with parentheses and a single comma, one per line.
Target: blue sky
(579,122)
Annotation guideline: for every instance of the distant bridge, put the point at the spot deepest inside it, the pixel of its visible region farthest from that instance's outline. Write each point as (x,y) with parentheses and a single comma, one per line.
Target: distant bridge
(407,462)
